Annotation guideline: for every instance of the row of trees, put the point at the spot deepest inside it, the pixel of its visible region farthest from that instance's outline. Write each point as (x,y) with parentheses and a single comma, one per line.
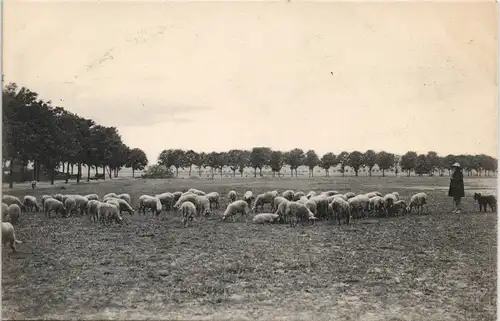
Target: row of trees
(35,131)
(262,157)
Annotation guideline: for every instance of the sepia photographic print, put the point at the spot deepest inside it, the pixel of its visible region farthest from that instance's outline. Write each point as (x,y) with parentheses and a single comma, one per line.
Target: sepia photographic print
(249,160)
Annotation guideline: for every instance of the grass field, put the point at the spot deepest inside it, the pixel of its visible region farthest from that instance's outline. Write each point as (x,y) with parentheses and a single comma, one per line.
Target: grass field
(432,267)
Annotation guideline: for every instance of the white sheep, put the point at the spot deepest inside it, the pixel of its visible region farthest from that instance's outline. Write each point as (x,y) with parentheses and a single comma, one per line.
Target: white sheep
(341,196)
(396,194)
(237,207)
(312,206)
(248,197)
(349,195)
(330,193)
(213,197)
(30,203)
(265,218)
(191,197)
(298,212)
(262,199)
(377,205)
(341,210)
(59,197)
(389,200)
(81,202)
(372,194)
(399,206)
(288,194)
(107,212)
(44,197)
(232,196)
(122,205)
(311,194)
(55,205)
(359,205)
(14,213)
(166,199)
(298,195)
(152,203)
(9,200)
(321,204)
(92,208)
(281,210)
(5,212)
(109,195)
(196,191)
(202,205)
(9,235)
(176,195)
(418,201)
(126,197)
(277,201)
(70,205)
(92,197)
(188,210)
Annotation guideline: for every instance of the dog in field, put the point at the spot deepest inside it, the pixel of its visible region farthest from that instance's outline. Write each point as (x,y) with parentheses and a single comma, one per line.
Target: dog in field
(484,200)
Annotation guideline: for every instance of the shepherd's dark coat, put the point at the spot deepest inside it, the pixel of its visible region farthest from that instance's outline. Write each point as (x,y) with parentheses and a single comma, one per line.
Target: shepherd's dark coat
(457,184)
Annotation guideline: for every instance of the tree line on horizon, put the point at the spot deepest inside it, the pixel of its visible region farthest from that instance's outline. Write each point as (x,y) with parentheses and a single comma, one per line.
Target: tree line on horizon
(263,157)
(48,136)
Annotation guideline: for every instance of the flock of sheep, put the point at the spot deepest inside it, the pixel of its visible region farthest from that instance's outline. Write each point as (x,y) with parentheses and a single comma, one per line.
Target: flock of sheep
(289,207)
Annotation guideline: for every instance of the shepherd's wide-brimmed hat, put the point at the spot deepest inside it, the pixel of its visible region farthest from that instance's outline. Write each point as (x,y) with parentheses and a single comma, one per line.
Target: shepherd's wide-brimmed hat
(456,165)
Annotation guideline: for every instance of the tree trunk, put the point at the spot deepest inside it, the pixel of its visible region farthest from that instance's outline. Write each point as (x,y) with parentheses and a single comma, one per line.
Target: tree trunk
(38,171)
(109,171)
(176,171)
(104,172)
(67,172)
(408,173)
(383,173)
(260,171)
(296,174)
(79,173)
(133,172)
(255,172)
(72,167)
(370,172)
(11,169)
(88,173)
(221,172)
(291,171)
(356,172)
(241,172)
(190,171)
(96,170)
(234,173)
(52,175)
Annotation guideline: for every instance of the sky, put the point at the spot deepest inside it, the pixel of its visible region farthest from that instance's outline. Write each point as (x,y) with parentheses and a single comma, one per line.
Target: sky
(393,76)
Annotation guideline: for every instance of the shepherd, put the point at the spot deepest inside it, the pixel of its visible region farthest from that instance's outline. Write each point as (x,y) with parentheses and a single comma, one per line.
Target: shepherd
(456,187)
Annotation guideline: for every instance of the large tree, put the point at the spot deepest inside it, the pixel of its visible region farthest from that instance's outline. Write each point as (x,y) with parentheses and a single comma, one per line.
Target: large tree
(311,161)
(432,159)
(172,157)
(327,161)
(408,162)
(190,159)
(370,159)
(294,159)
(276,162)
(385,161)
(137,160)
(343,159)
(259,158)
(355,161)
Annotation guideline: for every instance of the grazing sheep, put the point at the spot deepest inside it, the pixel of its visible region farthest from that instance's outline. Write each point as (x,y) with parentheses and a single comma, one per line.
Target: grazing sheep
(341,210)
(59,197)
(45,197)
(239,206)
(93,206)
(372,194)
(288,194)
(398,206)
(322,205)
(484,200)
(166,199)
(126,197)
(9,200)
(311,194)
(81,203)
(377,205)
(389,200)
(302,200)
(299,212)
(276,202)
(196,191)
(396,194)
(177,195)
(150,202)
(122,205)
(5,212)
(311,205)
(107,213)
(265,218)
(14,213)
(92,197)
(248,197)
(70,205)
(9,235)
(213,197)
(264,198)
(55,205)
(330,193)
(191,197)
(359,205)
(109,195)
(232,196)
(418,201)
(188,210)
(349,195)
(30,203)
(281,210)
(202,205)
(298,195)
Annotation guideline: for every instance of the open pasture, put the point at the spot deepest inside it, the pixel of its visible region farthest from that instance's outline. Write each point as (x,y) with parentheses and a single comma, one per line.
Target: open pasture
(440,266)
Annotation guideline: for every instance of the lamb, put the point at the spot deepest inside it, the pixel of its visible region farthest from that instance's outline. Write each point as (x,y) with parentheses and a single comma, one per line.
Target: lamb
(264,198)
(330,193)
(389,200)
(484,200)
(236,207)
(184,198)
(377,205)
(166,199)
(125,197)
(298,212)
(188,210)
(202,205)
(349,195)
(9,200)
(93,206)
(311,194)
(92,197)
(398,206)
(277,201)
(30,203)
(418,201)
(122,205)
(108,212)
(298,195)
(213,197)
(45,197)
(341,210)
(359,205)
(55,205)
(288,194)
(177,195)
(248,197)
(5,212)
(265,218)
(196,191)
(152,203)
(109,195)
(14,212)
(9,235)
(372,194)
(232,196)
(70,205)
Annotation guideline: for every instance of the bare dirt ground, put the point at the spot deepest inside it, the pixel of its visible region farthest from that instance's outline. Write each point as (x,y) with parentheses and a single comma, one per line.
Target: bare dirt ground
(440,266)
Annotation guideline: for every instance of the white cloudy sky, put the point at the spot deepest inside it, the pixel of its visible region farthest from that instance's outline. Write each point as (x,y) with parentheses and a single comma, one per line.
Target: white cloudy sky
(216,76)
